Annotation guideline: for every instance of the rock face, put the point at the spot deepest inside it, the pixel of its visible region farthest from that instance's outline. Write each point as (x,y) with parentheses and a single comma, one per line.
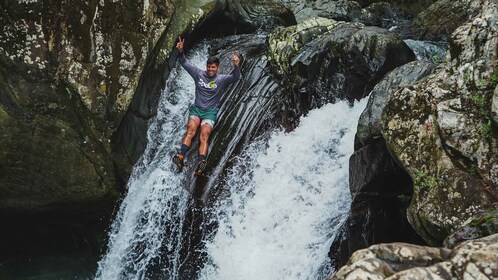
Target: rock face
(440,19)
(476,259)
(321,60)
(71,84)
(482,224)
(68,75)
(442,134)
(381,189)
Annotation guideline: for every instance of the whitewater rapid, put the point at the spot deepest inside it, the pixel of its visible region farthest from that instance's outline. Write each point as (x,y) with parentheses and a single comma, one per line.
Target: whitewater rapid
(288,194)
(288,198)
(147,233)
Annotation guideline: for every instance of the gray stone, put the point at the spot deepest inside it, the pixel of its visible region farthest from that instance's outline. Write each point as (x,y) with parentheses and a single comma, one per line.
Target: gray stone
(369,125)
(439,130)
(476,259)
(494,106)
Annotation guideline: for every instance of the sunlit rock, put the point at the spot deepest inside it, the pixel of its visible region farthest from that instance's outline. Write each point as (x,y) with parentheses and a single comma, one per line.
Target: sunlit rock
(476,259)
(441,131)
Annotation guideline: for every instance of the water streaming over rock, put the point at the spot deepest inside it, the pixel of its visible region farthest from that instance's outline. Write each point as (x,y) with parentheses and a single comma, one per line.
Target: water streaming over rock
(289,194)
(272,215)
(147,232)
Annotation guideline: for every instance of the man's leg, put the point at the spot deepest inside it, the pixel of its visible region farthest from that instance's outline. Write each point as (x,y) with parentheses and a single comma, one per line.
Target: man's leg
(192,125)
(206,128)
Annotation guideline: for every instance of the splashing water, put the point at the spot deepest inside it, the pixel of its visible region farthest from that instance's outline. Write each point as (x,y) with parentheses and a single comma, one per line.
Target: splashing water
(289,195)
(147,231)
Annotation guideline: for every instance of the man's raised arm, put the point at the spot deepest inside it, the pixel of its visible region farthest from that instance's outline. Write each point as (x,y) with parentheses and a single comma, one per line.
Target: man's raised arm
(191,69)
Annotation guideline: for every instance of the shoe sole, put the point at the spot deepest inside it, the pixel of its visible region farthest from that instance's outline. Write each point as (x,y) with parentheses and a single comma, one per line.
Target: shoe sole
(178,162)
(200,168)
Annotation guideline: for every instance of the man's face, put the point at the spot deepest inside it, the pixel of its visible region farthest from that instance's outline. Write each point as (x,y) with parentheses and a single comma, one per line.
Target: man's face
(212,69)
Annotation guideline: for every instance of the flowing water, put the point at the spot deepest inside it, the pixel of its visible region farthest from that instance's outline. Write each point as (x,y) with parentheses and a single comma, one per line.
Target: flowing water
(284,198)
(147,232)
(289,194)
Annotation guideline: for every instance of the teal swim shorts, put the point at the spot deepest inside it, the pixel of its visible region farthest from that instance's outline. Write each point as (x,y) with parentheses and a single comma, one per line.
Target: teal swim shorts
(207,116)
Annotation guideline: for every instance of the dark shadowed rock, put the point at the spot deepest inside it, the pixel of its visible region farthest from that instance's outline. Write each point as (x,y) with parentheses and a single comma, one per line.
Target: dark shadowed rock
(438,21)
(327,59)
(260,14)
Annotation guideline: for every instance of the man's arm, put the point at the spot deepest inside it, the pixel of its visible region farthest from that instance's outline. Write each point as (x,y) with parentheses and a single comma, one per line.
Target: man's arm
(235,76)
(191,69)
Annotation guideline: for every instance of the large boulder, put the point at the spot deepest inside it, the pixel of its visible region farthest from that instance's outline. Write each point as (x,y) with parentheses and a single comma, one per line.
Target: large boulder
(369,125)
(476,259)
(381,189)
(328,59)
(438,21)
(441,131)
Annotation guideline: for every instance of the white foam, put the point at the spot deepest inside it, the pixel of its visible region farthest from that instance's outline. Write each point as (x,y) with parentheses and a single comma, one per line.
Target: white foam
(288,197)
(152,213)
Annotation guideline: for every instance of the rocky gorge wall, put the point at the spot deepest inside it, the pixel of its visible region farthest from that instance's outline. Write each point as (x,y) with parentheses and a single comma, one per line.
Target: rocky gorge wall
(80,81)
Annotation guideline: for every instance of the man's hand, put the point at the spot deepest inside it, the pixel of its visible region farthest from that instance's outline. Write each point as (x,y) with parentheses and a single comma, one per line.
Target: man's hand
(180,43)
(236,59)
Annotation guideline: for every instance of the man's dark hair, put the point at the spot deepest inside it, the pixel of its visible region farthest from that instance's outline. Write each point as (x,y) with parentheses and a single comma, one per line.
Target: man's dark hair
(213,59)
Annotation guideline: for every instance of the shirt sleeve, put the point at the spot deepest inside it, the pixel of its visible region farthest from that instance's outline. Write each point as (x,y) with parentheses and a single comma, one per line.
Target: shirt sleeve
(235,76)
(189,67)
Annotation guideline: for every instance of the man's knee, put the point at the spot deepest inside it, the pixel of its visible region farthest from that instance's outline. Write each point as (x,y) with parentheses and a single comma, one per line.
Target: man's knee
(204,136)
(191,130)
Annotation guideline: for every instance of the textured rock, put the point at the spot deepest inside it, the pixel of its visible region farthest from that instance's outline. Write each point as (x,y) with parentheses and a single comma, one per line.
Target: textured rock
(440,132)
(477,259)
(260,14)
(494,104)
(369,125)
(68,75)
(328,59)
(442,18)
(381,189)
(482,224)
(337,10)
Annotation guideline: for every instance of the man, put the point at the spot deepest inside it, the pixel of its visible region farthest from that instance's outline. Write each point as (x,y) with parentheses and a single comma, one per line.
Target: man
(209,86)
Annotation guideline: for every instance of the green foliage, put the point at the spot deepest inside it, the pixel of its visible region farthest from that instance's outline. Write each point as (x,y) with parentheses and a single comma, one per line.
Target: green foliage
(493,81)
(478,100)
(473,169)
(486,130)
(425,181)
(487,218)
(438,58)
(481,104)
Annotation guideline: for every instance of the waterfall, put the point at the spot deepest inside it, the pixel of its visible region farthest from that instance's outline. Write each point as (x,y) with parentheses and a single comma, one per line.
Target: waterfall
(147,233)
(275,211)
(289,195)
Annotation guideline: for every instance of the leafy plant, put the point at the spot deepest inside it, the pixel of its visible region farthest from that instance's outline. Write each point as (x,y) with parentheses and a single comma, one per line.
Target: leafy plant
(486,130)
(424,180)
(473,169)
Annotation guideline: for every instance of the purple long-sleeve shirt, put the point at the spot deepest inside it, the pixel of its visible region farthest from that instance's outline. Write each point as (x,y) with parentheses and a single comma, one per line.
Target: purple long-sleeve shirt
(208,90)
